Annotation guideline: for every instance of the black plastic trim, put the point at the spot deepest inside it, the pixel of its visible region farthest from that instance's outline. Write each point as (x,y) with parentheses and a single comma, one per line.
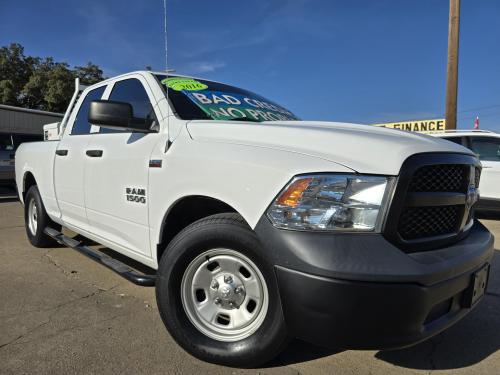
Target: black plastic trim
(434,199)
(361,315)
(401,200)
(370,256)
(94,153)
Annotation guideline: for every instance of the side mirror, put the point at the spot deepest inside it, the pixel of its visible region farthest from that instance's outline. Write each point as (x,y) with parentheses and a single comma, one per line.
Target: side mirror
(118,115)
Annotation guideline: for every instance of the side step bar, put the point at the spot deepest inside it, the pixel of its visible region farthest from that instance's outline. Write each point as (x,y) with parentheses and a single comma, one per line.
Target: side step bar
(120,268)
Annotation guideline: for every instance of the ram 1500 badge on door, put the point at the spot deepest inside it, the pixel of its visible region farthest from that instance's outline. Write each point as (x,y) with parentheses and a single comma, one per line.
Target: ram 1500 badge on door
(262,227)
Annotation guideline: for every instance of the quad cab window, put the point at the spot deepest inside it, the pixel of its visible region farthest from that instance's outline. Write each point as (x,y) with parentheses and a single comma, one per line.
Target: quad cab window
(196,99)
(82,125)
(6,142)
(486,148)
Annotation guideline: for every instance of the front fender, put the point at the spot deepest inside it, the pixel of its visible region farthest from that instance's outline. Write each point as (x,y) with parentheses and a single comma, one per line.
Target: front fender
(246,178)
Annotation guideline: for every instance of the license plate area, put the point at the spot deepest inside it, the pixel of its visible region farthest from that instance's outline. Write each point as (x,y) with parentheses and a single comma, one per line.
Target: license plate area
(477,287)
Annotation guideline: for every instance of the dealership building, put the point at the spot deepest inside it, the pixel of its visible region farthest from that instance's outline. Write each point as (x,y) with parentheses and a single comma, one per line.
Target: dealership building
(19,125)
(22,121)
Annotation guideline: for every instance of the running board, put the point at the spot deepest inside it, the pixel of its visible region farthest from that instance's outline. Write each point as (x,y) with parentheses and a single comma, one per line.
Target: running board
(120,268)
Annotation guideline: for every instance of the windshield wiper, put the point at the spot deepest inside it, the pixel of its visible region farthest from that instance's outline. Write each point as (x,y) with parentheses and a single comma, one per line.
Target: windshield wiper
(244,119)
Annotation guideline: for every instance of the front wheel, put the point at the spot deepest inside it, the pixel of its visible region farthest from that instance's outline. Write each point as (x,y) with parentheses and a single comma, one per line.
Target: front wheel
(218,296)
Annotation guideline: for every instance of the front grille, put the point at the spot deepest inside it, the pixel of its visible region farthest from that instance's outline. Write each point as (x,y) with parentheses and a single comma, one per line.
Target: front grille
(430,207)
(441,177)
(419,222)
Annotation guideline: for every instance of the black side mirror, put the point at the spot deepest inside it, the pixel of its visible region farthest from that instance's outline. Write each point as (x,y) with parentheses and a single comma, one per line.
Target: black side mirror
(118,115)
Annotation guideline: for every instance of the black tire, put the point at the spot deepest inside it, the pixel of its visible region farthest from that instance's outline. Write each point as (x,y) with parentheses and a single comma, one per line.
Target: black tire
(219,231)
(37,237)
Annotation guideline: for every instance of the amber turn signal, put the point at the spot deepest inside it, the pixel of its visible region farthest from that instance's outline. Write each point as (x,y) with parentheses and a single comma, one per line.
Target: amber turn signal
(291,196)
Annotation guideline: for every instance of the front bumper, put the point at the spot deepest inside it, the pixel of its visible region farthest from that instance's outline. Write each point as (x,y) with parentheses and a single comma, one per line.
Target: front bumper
(359,291)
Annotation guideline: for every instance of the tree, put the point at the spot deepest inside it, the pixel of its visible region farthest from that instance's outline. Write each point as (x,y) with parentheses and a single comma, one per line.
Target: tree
(88,74)
(14,72)
(40,83)
(60,86)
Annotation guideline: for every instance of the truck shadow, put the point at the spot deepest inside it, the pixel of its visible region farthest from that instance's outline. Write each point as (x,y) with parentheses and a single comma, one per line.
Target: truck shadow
(300,351)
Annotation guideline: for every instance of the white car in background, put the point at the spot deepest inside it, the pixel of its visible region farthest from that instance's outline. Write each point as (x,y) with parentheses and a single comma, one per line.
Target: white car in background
(486,145)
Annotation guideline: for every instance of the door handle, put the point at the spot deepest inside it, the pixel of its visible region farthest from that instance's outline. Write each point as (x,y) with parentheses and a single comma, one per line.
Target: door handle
(62,152)
(94,153)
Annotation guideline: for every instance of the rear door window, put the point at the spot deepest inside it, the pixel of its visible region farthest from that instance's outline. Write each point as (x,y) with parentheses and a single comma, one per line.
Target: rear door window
(81,124)
(486,148)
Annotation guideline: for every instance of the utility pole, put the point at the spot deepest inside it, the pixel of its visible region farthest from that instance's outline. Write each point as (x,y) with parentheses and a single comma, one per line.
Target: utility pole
(452,69)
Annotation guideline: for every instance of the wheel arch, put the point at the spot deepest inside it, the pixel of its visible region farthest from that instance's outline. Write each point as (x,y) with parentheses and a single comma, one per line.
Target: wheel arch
(186,211)
(28,181)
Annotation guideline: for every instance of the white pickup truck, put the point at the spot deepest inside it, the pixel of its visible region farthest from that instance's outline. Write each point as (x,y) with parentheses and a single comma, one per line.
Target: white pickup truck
(260,227)
(486,145)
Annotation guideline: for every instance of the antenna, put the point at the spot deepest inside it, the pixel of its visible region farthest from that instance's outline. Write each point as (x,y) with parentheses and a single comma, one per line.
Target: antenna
(167,146)
(165,32)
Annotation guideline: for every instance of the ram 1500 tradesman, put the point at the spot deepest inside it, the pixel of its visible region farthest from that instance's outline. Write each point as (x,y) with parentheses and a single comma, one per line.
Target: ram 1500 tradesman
(261,227)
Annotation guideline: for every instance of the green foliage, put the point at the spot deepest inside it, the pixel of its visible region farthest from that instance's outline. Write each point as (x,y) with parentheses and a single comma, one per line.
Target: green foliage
(40,83)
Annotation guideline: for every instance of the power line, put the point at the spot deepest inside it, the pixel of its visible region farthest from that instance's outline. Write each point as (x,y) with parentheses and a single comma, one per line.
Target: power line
(486,115)
(479,108)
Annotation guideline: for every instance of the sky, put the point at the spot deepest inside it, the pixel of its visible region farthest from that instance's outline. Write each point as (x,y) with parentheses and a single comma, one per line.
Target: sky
(363,61)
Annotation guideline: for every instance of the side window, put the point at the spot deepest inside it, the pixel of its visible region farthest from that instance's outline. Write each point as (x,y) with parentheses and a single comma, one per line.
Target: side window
(6,143)
(131,91)
(457,140)
(487,148)
(82,125)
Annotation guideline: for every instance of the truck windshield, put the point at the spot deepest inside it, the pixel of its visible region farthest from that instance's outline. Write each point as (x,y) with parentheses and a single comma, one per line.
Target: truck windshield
(196,99)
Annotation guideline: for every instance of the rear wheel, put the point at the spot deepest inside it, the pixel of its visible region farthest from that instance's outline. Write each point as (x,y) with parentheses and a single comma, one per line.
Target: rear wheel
(218,296)
(36,219)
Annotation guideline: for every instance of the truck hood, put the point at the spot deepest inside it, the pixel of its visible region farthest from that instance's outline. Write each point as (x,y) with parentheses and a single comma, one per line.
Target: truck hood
(362,148)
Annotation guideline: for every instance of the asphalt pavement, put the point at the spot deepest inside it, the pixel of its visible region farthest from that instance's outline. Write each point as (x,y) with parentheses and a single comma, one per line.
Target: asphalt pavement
(62,313)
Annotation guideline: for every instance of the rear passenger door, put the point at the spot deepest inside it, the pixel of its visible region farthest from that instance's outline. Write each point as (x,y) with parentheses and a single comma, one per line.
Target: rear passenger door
(488,151)
(69,166)
(116,184)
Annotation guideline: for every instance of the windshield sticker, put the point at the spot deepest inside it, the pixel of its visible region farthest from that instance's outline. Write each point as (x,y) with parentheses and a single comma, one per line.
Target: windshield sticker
(229,106)
(183,84)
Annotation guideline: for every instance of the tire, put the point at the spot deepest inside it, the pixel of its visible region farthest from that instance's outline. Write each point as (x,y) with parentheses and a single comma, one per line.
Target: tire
(224,240)
(36,219)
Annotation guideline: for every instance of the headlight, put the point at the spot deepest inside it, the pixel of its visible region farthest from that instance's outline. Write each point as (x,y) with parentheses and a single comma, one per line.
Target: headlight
(332,202)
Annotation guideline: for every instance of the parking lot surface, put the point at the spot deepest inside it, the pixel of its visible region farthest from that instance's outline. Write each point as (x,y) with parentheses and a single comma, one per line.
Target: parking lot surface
(61,313)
